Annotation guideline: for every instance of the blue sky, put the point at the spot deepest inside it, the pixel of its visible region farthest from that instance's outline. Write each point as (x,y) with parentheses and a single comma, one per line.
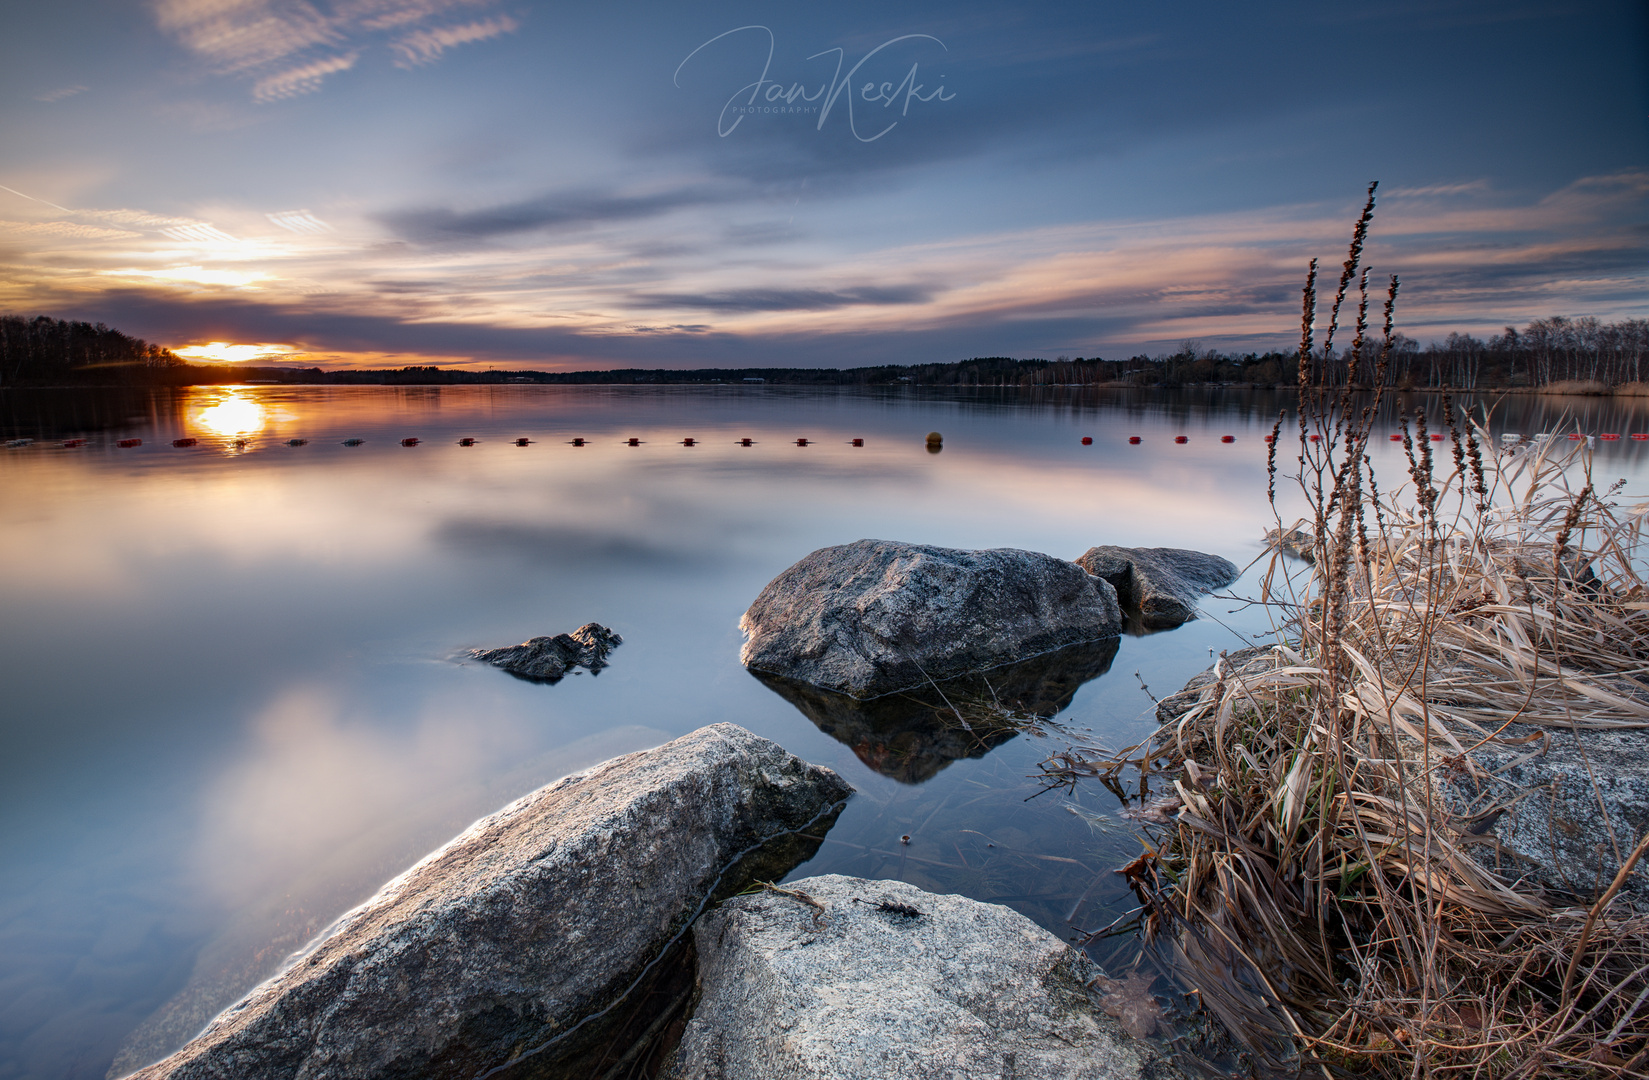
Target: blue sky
(533,185)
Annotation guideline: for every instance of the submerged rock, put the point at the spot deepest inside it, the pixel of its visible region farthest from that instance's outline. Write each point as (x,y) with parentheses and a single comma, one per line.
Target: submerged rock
(547,659)
(1249,661)
(877,616)
(910,736)
(513,939)
(864,980)
(1298,542)
(1162,585)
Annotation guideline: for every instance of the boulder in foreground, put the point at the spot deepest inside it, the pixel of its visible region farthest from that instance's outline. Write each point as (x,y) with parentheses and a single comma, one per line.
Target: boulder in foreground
(876,616)
(1163,586)
(547,659)
(524,927)
(860,988)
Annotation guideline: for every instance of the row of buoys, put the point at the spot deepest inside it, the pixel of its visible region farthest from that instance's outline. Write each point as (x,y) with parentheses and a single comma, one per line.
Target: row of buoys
(242,443)
(934,440)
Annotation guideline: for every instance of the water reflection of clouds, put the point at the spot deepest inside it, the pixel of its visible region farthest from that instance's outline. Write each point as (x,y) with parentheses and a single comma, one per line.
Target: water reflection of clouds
(322,785)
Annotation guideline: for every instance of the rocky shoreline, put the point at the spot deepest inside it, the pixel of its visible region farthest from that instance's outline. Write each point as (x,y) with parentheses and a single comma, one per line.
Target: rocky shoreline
(514,950)
(580,926)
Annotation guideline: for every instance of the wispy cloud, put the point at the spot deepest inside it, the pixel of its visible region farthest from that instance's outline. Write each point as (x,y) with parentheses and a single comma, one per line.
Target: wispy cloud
(595,299)
(289,47)
(744,300)
(59,94)
(304,79)
(426,46)
(558,210)
(300,221)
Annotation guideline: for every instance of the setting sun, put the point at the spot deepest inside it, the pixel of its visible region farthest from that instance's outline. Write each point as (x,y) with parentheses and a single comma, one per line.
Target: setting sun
(224,352)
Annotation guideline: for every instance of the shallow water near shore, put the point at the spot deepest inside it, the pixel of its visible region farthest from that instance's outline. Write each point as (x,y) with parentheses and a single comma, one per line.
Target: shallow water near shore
(237,697)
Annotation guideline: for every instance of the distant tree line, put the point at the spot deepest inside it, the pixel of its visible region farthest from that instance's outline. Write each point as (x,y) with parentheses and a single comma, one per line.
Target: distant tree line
(55,352)
(1544,353)
(52,352)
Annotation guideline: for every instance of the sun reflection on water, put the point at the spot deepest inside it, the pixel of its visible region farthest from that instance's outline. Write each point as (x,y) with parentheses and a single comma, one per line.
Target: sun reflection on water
(232,416)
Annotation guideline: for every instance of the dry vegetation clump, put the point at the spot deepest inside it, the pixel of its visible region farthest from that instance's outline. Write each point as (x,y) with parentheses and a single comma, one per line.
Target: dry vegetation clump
(1323,888)
(1586,387)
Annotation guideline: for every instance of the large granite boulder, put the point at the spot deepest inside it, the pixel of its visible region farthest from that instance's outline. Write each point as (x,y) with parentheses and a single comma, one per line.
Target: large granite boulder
(875,616)
(847,979)
(910,736)
(512,942)
(547,659)
(1162,587)
(1561,807)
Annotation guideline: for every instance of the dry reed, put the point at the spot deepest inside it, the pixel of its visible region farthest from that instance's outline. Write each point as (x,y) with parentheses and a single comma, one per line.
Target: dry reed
(1320,887)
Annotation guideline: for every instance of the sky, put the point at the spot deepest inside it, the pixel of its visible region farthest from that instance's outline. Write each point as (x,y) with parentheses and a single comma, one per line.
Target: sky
(618,184)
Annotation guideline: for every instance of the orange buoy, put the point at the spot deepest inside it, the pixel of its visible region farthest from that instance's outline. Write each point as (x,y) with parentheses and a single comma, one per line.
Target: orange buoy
(578,442)
(1576,436)
(689,441)
(466,442)
(856,442)
(523,442)
(1437,438)
(1638,436)
(1134,439)
(1228,438)
(1396,438)
(1271,438)
(353,442)
(180,443)
(747,442)
(70,444)
(1610,437)
(1316,438)
(633,441)
(409,442)
(297,442)
(801,442)
(1087,440)
(129,443)
(1181,439)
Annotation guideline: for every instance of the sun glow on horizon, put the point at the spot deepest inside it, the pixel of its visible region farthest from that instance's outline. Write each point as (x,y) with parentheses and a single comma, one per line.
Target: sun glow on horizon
(225,352)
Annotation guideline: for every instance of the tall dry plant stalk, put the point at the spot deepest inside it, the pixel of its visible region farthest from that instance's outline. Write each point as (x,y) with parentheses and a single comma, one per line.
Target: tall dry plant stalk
(1324,885)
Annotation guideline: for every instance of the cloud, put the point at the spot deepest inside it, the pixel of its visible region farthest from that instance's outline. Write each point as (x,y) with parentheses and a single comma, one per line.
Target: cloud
(426,46)
(300,221)
(584,300)
(61,230)
(305,79)
(787,299)
(557,211)
(289,47)
(59,94)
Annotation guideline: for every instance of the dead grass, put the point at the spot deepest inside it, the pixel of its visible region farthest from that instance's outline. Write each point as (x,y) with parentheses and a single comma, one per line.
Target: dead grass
(1316,887)
(1587,387)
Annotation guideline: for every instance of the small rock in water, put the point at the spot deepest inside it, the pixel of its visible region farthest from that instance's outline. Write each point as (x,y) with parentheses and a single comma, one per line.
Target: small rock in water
(547,659)
(1159,586)
(1297,542)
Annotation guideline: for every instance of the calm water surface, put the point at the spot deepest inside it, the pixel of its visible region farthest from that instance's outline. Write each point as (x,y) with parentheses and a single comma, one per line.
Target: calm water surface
(235,694)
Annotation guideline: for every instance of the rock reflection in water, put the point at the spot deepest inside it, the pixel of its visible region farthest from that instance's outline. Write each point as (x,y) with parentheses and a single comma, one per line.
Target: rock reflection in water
(912,735)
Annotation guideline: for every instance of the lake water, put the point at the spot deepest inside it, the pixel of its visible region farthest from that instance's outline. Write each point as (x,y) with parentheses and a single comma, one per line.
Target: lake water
(236,698)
